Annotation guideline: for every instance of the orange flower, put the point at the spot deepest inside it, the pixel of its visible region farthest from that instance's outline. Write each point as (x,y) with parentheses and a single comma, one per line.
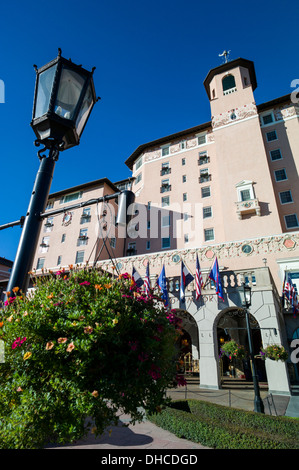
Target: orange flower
(70,347)
(95,393)
(62,340)
(49,345)
(98,287)
(108,286)
(50,296)
(1,324)
(16,289)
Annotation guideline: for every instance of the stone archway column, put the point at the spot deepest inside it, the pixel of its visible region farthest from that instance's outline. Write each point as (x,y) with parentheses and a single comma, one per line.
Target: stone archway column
(208,364)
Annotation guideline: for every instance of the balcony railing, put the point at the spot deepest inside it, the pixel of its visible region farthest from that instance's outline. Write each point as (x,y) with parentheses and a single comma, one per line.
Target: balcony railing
(203,159)
(165,171)
(85,218)
(165,188)
(248,207)
(204,178)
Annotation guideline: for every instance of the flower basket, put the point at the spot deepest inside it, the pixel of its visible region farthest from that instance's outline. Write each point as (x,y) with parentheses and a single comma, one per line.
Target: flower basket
(274,352)
(233,350)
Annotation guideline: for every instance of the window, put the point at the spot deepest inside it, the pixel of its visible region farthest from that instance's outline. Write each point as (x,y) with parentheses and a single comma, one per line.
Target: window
(207,212)
(113,242)
(183,144)
(50,205)
(201,139)
(275,155)
(131,250)
(85,216)
(63,238)
(245,195)
(186,238)
(183,161)
(48,227)
(58,261)
(209,234)
(79,257)
(44,247)
(185,197)
(271,136)
(148,245)
(280,175)
(138,178)
(267,118)
(165,151)
(165,186)
(165,242)
(228,84)
(184,178)
(165,201)
(166,220)
(291,221)
(165,169)
(206,191)
(285,197)
(40,263)
(186,216)
(203,158)
(149,205)
(138,163)
(71,197)
(148,224)
(82,240)
(204,175)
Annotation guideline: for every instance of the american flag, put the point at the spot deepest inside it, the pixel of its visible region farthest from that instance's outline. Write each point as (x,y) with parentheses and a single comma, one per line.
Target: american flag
(147,282)
(290,293)
(198,279)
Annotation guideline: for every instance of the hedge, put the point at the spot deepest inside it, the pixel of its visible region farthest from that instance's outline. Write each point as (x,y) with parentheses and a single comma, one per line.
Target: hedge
(219,427)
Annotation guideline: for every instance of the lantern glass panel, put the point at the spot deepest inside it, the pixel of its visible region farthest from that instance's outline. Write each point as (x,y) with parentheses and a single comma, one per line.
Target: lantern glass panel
(45,85)
(70,88)
(85,110)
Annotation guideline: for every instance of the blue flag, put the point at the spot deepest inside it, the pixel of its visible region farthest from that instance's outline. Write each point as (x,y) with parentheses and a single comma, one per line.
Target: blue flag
(163,286)
(215,276)
(186,278)
(137,278)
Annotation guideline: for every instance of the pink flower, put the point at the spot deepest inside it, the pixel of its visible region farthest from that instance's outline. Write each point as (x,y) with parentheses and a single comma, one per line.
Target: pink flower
(181,381)
(142,357)
(85,283)
(154,372)
(133,345)
(9,301)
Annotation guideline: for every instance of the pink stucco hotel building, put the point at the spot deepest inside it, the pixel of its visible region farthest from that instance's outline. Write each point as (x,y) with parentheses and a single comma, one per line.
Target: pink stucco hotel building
(226,188)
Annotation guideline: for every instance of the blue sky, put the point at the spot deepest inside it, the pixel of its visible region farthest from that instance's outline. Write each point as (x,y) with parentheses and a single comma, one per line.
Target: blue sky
(151,59)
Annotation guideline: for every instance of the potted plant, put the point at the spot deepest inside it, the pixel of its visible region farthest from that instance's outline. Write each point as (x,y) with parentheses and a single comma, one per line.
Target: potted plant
(274,352)
(233,350)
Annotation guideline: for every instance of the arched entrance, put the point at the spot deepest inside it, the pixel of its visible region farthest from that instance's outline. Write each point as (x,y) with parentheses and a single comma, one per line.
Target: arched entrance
(231,325)
(187,344)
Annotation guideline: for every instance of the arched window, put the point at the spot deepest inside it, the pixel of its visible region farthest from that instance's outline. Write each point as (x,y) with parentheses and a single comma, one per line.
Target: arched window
(228,84)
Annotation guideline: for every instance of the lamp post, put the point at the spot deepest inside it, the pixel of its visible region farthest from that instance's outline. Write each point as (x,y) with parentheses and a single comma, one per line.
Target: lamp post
(63,100)
(245,295)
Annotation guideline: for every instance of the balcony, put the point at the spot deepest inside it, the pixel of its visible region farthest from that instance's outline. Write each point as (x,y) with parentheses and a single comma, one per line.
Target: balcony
(165,171)
(85,218)
(204,178)
(203,159)
(165,188)
(82,240)
(251,206)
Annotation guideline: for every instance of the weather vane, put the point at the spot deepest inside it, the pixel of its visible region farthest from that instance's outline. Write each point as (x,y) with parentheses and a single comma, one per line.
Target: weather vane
(225,54)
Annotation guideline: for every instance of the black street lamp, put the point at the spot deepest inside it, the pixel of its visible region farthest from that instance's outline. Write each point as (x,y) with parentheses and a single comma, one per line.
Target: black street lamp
(245,295)
(63,100)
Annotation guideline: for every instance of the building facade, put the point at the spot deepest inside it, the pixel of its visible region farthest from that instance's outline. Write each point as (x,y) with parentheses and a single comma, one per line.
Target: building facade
(225,189)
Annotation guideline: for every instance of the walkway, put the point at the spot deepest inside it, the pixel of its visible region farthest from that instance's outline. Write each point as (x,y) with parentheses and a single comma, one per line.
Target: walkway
(146,435)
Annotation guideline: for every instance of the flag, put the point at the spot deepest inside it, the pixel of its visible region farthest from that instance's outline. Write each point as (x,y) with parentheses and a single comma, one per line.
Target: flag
(137,278)
(290,293)
(147,282)
(163,287)
(186,278)
(215,276)
(198,279)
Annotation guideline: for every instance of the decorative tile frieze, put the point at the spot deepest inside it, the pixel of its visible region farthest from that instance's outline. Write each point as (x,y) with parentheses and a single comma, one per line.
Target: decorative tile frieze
(234,115)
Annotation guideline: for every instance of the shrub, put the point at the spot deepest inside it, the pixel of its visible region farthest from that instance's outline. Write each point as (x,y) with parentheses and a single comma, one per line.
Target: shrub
(83,345)
(217,426)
